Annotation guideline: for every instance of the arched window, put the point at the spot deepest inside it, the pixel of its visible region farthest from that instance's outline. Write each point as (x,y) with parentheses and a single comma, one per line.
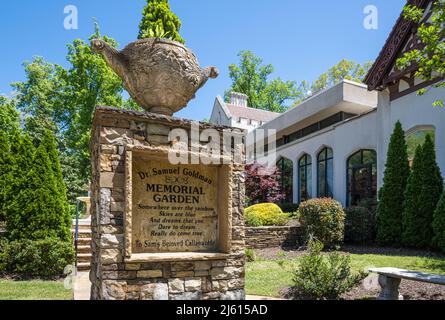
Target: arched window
(286,168)
(325,173)
(362,176)
(305,178)
(416,137)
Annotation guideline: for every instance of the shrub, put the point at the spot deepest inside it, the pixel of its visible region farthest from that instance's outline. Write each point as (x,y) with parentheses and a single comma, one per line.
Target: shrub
(424,189)
(391,195)
(323,219)
(262,184)
(323,277)
(265,214)
(43,258)
(250,255)
(360,225)
(439,225)
(38,211)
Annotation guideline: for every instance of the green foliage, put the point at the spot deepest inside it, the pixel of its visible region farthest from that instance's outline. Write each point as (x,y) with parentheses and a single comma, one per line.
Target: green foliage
(37,211)
(250,255)
(63,101)
(439,225)
(45,258)
(430,58)
(321,277)
(391,196)
(251,77)
(344,70)
(425,186)
(360,225)
(158,21)
(9,116)
(324,220)
(265,214)
(6,168)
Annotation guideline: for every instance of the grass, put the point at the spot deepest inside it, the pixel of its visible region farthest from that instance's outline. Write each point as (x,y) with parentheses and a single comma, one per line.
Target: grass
(34,290)
(268,277)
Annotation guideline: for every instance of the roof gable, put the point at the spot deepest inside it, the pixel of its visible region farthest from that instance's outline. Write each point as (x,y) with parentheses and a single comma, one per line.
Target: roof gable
(400,36)
(250,113)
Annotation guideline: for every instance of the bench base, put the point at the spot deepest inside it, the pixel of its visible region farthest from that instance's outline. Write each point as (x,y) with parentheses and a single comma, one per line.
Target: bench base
(390,288)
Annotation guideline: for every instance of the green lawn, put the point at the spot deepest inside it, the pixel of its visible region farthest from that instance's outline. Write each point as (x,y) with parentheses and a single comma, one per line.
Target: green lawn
(33,290)
(267,277)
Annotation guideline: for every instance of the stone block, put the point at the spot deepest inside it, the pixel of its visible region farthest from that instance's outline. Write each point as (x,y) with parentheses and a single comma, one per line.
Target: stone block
(112,180)
(176,286)
(149,274)
(114,290)
(193,285)
(110,256)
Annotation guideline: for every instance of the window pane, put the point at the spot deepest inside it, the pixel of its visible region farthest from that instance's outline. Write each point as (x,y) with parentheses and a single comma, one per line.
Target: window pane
(369,156)
(309,182)
(417,138)
(330,153)
(330,179)
(322,179)
(322,155)
(355,159)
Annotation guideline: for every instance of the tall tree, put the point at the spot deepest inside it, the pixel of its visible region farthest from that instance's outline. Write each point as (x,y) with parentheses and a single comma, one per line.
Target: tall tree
(430,58)
(439,225)
(9,116)
(37,211)
(88,82)
(344,70)
(6,168)
(50,144)
(251,77)
(37,97)
(424,189)
(158,21)
(391,196)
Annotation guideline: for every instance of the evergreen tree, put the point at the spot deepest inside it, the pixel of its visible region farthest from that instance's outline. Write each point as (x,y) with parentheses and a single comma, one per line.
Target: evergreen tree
(159,21)
(425,186)
(6,167)
(50,144)
(391,196)
(439,225)
(37,208)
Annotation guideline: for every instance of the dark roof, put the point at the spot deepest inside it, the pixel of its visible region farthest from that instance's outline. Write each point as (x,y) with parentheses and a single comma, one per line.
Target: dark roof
(251,113)
(398,37)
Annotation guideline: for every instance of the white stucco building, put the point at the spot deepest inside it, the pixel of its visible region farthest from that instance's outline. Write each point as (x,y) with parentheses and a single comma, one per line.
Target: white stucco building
(237,114)
(335,143)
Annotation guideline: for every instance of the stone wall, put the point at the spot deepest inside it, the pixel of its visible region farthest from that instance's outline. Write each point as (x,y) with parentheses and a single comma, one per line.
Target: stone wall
(272,237)
(113,275)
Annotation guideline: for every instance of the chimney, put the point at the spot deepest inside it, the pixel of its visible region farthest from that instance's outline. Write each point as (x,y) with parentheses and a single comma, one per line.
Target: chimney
(238,99)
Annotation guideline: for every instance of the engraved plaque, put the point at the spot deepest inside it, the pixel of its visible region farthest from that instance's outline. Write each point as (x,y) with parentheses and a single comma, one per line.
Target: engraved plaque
(175,207)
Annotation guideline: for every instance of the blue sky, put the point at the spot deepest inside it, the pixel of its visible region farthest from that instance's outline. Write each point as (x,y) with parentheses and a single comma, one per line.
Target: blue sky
(302,39)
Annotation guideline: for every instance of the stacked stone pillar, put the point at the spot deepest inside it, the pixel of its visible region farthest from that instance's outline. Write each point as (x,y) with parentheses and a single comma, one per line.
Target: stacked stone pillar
(119,274)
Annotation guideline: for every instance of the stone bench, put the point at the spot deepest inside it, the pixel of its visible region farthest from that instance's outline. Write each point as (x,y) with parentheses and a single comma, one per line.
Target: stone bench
(390,278)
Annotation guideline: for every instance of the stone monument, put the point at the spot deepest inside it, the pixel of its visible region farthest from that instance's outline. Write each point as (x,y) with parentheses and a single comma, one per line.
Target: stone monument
(164,230)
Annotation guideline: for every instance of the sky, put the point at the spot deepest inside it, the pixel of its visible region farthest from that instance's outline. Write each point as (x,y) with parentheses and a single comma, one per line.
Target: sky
(301,39)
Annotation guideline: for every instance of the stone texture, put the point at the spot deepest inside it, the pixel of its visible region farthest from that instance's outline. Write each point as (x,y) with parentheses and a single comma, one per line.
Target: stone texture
(272,237)
(168,68)
(115,278)
(193,285)
(150,274)
(176,286)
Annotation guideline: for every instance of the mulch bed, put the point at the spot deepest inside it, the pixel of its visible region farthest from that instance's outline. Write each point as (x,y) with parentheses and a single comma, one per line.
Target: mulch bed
(368,288)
